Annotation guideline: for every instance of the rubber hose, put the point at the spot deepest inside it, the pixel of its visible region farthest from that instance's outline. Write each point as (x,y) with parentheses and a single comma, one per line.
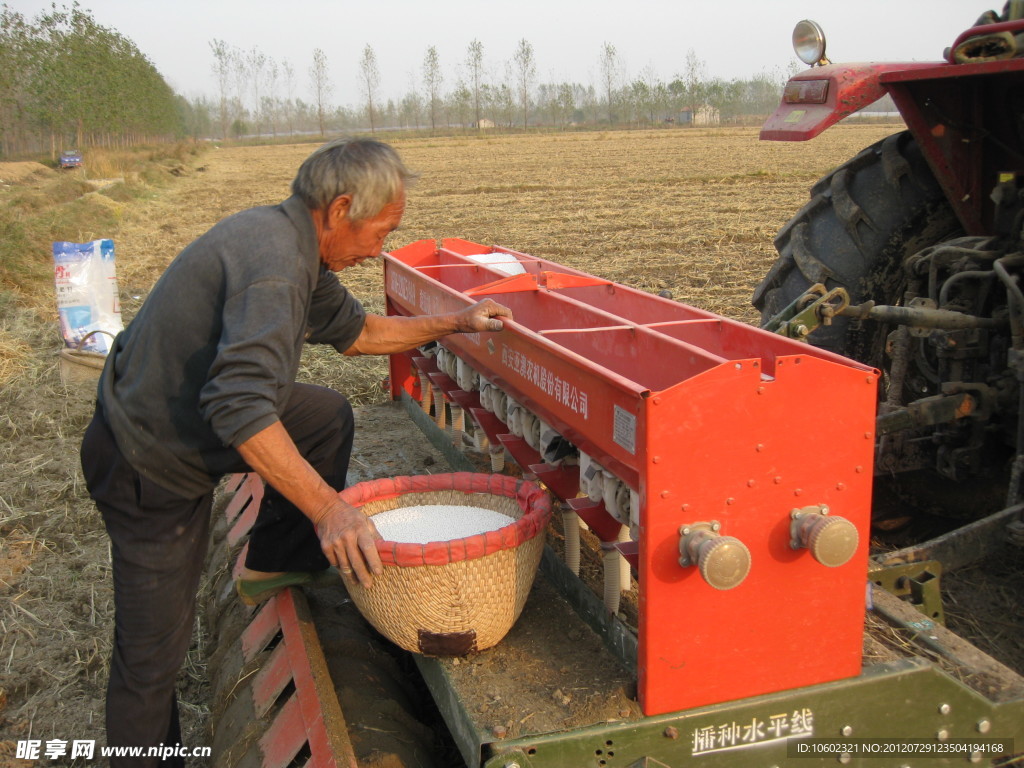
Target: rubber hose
(497,453)
(571,530)
(439,410)
(625,575)
(425,391)
(612,580)
(458,424)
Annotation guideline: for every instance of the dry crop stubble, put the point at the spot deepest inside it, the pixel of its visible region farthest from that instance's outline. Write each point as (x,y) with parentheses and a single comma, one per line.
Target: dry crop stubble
(691,211)
(688,210)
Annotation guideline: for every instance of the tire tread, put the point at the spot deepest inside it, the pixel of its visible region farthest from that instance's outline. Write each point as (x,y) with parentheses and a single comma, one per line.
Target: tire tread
(854,231)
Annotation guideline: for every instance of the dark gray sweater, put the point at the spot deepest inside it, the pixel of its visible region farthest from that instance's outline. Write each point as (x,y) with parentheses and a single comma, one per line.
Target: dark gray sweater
(211,357)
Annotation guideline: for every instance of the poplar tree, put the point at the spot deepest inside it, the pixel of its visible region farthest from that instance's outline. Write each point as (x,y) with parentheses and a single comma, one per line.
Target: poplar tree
(475,66)
(432,80)
(289,94)
(370,78)
(257,65)
(320,85)
(526,73)
(609,67)
(222,74)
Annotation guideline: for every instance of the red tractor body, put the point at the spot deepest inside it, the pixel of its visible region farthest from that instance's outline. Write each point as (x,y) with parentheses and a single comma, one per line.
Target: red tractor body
(959,114)
(909,257)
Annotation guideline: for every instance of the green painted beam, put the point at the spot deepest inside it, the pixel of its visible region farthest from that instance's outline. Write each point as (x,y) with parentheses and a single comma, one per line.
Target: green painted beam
(905,701)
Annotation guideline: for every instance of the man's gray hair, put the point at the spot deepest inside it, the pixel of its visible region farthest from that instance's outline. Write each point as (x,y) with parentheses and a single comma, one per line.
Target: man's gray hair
(370,171)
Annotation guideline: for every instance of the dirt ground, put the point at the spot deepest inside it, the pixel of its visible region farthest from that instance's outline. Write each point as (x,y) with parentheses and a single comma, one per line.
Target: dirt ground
(688,211)
(16,173)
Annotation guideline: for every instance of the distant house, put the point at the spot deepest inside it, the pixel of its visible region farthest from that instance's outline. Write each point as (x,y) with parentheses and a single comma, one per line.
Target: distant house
(705,114)
(485,122)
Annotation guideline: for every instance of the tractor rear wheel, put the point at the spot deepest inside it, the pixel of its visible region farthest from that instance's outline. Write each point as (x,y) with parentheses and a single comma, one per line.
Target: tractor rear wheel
(862,221)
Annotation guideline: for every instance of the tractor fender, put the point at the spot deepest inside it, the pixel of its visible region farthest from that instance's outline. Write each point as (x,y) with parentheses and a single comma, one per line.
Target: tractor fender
(820,97)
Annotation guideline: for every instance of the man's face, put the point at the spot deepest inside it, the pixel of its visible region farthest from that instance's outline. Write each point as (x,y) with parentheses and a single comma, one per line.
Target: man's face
(344,243)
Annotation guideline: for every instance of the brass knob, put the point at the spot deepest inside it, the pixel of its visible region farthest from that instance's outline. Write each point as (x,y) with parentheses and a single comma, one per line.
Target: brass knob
(832,540)
(723,561)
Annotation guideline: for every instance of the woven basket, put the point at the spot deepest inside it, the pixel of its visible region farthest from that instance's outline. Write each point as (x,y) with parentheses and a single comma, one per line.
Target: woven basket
(81,365)
(449,598)
(77,366)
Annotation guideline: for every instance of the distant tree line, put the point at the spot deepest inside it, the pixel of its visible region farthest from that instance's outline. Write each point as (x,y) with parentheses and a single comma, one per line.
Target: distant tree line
(64,80)
(257,96)
(67,81)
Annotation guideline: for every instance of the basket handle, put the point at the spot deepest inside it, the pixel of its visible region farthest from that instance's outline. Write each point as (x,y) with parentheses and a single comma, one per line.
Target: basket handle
(89,335)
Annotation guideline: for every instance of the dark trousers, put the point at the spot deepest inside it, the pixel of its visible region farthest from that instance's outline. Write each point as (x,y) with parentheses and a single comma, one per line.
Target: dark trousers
(159,542)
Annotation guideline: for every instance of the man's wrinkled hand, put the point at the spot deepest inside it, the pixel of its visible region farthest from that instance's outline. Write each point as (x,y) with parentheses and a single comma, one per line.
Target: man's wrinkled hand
(348,540)
(483,316)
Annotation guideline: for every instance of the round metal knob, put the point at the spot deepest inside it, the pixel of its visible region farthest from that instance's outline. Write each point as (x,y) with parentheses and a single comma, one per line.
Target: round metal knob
(831,540)
(723,561)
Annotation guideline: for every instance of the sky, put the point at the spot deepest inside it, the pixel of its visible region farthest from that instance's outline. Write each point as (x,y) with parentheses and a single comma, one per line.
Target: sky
(736,39)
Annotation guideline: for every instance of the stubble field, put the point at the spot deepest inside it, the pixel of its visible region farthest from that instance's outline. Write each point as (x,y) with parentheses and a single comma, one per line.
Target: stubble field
(691,211)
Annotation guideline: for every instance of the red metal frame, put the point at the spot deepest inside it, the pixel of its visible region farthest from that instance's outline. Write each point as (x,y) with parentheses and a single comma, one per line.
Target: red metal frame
(311,714)
(707,419)
(241,510)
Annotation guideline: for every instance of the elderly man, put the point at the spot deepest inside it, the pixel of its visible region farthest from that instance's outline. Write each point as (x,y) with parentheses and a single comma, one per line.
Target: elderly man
(202,383)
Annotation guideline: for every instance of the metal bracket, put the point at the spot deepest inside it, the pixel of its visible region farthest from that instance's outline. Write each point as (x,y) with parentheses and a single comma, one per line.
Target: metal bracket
(803,514)
(816,307)
(928,411)
(915,583)
(712,528)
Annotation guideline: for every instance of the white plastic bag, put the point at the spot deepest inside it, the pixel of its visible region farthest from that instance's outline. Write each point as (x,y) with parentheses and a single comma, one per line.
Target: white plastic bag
(503,262)
(87,299)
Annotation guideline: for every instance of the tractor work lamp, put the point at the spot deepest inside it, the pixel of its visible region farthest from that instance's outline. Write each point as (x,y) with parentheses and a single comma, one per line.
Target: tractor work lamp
(809,43)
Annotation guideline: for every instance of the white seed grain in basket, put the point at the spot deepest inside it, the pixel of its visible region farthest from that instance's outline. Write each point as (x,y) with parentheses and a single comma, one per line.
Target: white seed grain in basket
(437,522)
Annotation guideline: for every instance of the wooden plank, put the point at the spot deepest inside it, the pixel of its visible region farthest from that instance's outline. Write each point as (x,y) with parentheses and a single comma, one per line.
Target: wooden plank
(959,547)
(1003,684)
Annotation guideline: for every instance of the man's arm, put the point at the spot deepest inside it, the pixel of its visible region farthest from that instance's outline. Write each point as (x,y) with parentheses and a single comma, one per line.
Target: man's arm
(387,335)
(347,536)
